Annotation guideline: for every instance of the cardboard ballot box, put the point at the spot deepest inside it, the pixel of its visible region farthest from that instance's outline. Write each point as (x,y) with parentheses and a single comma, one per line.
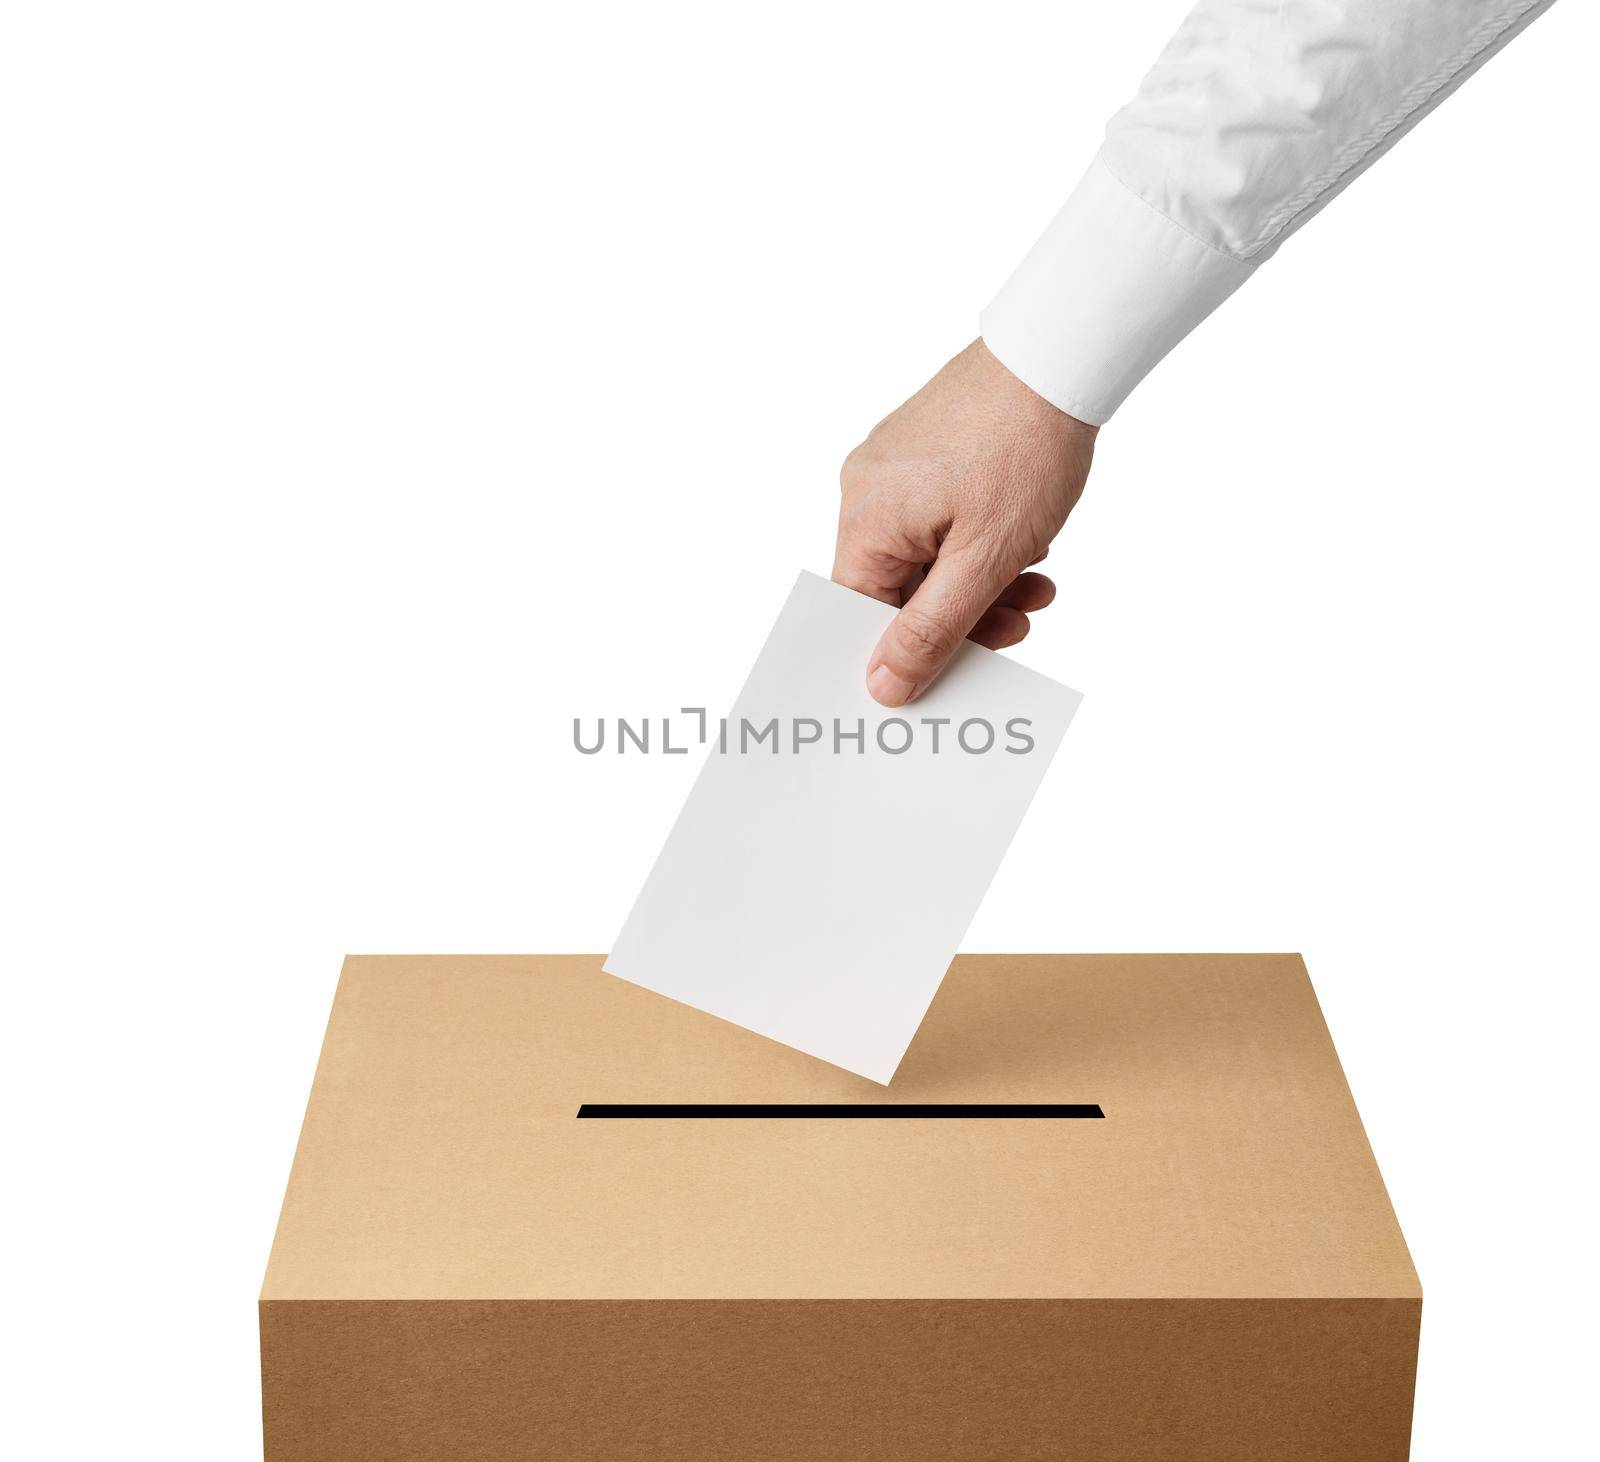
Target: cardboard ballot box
(537,1212)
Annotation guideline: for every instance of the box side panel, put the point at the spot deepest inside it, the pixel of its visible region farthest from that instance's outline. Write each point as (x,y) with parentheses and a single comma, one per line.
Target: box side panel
(701,1380)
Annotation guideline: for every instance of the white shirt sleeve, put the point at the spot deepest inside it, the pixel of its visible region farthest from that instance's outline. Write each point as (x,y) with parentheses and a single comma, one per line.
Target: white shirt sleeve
(1256,114)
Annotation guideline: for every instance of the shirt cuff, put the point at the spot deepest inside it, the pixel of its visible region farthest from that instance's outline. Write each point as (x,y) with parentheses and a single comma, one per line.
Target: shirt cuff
(1108,290)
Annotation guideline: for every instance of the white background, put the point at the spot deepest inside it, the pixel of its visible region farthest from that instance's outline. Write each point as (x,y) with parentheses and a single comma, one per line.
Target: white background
(383,385)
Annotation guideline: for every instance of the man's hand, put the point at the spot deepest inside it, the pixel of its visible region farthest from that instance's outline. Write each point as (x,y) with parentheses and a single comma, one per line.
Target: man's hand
(945,504)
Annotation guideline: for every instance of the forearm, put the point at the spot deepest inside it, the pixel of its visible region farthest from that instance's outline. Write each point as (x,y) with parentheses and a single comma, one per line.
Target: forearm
(1254,117)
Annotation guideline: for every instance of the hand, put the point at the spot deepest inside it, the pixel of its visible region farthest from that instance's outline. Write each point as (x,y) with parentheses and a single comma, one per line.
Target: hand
(945,504)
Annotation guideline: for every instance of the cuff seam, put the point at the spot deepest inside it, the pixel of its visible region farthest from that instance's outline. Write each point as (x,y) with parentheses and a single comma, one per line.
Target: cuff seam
(1248,265)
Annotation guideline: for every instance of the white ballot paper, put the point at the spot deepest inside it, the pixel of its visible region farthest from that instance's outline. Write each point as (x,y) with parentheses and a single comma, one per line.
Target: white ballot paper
(818,881)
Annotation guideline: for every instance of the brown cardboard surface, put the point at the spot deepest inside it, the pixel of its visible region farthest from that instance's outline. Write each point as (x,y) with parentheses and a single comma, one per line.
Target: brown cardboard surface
(464,1268)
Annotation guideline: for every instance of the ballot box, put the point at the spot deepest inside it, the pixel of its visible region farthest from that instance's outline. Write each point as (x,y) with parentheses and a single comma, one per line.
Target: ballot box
(1111,1207)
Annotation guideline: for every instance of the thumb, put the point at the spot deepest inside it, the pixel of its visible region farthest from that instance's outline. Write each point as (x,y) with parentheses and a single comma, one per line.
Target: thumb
(961,584)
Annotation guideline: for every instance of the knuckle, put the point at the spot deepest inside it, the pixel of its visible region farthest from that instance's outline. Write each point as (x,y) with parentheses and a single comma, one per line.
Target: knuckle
(853,471)
(925,643)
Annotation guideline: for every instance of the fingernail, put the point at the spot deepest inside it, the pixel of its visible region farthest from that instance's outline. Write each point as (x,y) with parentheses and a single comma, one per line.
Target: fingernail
(889,689)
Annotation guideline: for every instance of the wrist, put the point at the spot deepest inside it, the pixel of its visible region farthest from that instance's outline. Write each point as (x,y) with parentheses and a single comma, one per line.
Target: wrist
(1023,404)
(1108,290)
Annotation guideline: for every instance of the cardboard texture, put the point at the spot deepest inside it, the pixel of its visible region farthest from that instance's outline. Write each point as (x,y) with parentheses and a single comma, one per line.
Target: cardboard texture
(464,1268)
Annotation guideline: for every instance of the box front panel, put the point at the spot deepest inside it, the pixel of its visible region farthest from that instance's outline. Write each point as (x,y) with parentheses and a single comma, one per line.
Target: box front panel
(703,1380)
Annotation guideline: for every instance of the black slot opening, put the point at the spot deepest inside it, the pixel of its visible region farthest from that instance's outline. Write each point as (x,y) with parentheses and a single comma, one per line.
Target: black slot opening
(1051,1110)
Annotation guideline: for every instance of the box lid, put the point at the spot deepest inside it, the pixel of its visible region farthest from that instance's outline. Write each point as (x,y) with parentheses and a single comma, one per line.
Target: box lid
(443,1156)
